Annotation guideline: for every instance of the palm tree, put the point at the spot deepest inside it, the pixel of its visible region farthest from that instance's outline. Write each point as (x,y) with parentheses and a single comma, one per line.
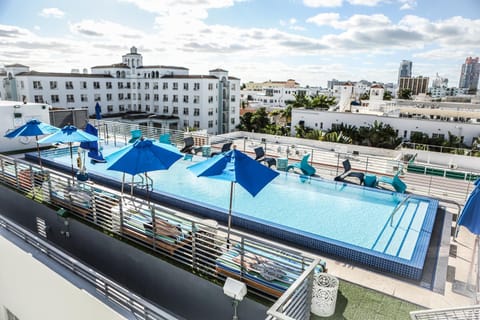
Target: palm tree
(322,102)
(301,101)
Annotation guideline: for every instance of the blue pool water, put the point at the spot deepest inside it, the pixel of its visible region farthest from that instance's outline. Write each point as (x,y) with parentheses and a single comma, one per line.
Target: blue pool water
(346,215)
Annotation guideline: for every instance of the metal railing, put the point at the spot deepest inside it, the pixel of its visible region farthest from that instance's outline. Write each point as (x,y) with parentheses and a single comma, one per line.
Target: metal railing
(105,287)
(296,302)
(460,313)
(200,245)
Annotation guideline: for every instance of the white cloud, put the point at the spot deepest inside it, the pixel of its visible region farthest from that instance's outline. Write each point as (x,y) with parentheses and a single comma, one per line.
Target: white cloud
(106,29)
(325,19)
(52,13)
(323,3)
(354,22)
(368,3)
(408,4)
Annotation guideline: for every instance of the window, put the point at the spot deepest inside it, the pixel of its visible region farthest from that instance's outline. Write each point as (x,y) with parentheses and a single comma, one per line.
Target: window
(97,97)
(69,85)
(232,110)
(185,123)
(175,110)
(121,108)
(210,86)
(210,99)
(156,97)
(156,108)
(134,84)
(196,124)
(165,85)
(210,111)
(147,96)
(196,112)
(196,86)
(109,108)
(83,84)
(232,98)
(175,86)
(108,85)
(109,97)
(185,99)
(185,86)
(38,99)
(165,109)
(120,96)
(175,98)
(155,86)
(210,123)
(54,98)
(185,111)
(165,98)
(232,120)
(83,98)
(147,108)
(196,99)
(120,85)
(147,85)
(70,98)
(96,85)
(234,87)
(139,96)
(21,84)
(128,85)
(37,85)
(53,85)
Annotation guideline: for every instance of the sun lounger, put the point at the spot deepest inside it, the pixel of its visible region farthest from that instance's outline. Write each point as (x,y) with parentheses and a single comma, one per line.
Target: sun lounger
(166,138)
(395,182)
(135,135)
(303,166)
(269,272)
(188,146)
(170,233)
(349,173)
(225,147)
(261,157)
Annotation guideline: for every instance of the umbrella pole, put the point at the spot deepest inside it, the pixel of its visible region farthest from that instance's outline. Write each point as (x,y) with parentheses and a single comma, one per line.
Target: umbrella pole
(477,284)
(71,161)
(232,188)
(123,182)
(38,151)
(146,186)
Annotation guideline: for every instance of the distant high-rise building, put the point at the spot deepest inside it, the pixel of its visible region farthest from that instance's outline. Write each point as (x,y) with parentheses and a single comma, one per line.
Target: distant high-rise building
(405,70)
(470,74)
(416,85)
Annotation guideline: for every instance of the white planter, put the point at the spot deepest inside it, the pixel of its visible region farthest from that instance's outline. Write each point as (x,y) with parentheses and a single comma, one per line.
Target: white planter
(324,295)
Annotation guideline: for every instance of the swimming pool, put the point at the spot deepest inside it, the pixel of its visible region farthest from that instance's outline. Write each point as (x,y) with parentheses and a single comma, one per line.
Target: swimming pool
(333,217)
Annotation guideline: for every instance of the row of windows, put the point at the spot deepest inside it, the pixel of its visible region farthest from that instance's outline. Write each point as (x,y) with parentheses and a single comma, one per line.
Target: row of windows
(121,85)
(125,96)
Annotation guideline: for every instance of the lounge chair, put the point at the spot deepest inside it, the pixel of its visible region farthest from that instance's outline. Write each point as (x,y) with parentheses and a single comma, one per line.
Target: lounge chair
(260,157)
(166,138)
(304,166)
(226,147)
(395,182)
(189,144)
(135,135)
(349,173)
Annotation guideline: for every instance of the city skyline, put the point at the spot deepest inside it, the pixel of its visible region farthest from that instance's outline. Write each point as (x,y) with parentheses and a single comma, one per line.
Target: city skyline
(311,41)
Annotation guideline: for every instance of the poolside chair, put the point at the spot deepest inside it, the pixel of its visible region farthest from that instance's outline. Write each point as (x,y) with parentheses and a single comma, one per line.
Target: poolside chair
(166,138)
(304,166)
(135,135)
(349,173)
(226,147)
(188,145)
(260,157)
(395,182)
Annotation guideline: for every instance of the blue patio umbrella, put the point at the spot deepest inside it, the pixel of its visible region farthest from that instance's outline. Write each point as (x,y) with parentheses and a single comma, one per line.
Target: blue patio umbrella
(143,156)
(470,219)
(98,111)
(92,146)
(236,167)
(69,134)
(32,128)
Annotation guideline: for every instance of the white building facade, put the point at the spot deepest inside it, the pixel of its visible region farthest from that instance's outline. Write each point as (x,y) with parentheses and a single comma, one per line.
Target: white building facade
(210,102)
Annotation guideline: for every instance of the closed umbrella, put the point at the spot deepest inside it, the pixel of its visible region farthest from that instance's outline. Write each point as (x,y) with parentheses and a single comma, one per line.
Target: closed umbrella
(69,134)
(470,219)
(98,111)
(143,156)
(236,167)
(33,128)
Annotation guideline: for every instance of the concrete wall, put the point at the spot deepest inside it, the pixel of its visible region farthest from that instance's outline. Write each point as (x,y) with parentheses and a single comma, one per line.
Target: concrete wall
(31,290)
(152,278)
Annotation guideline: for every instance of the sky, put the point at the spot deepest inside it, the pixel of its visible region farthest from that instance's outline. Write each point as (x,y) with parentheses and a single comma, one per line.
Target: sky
(310,41)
